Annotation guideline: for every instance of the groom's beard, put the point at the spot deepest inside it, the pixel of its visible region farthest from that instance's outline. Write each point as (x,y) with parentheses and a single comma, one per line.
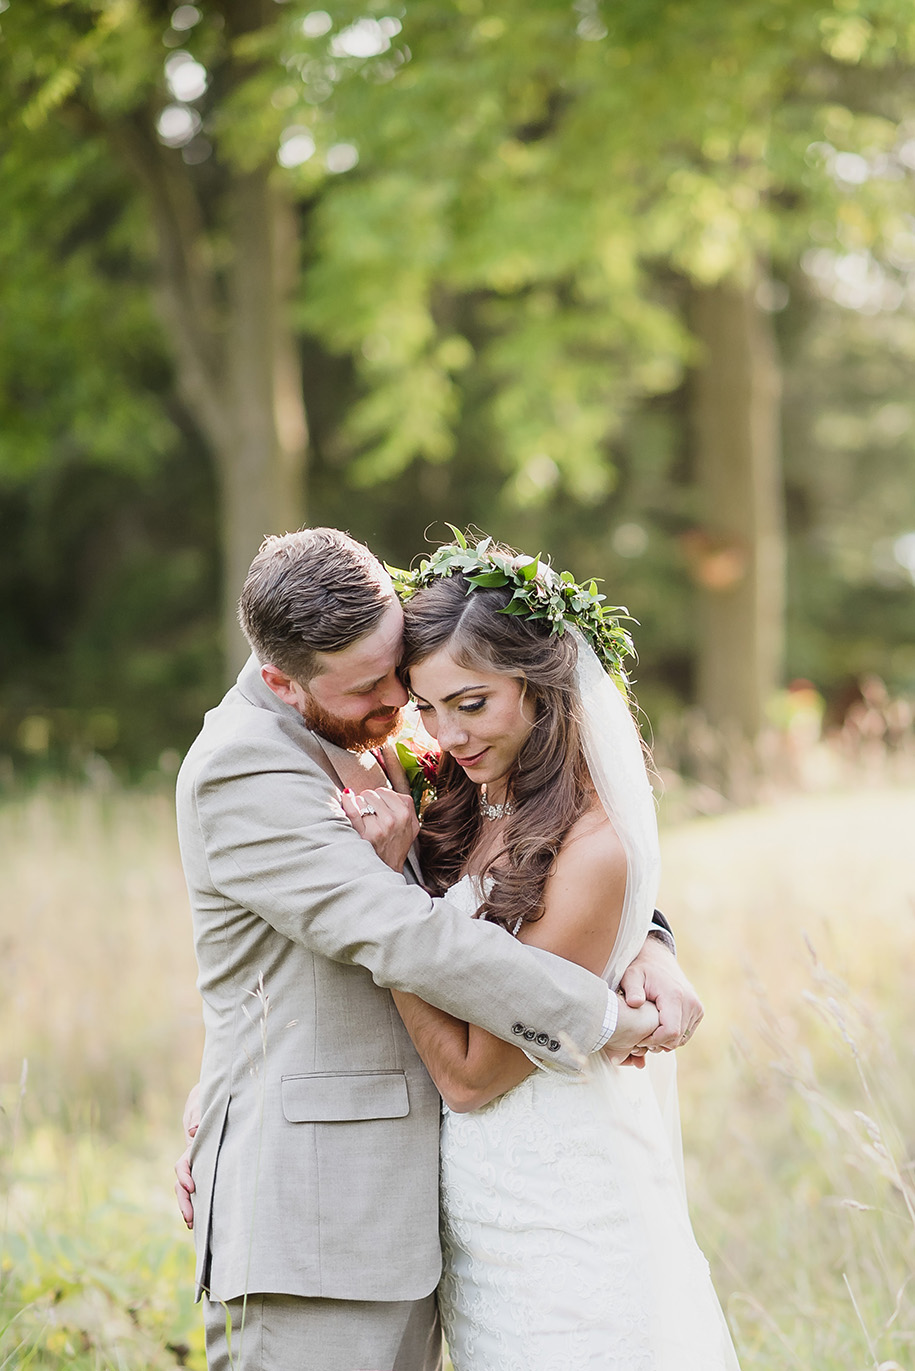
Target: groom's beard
(356,735)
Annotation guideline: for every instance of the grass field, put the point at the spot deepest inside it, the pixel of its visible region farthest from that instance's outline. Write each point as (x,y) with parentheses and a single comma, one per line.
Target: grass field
(797,923)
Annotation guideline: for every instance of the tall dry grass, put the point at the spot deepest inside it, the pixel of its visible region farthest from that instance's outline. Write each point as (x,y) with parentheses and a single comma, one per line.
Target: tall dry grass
(96,957)
(798,925)
(799,1118)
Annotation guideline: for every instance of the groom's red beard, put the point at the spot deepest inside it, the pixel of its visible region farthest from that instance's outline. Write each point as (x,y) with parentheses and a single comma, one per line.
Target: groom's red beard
(353,734)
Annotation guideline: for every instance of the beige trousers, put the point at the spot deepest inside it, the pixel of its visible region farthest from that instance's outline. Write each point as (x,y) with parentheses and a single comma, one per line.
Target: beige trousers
(290,1333)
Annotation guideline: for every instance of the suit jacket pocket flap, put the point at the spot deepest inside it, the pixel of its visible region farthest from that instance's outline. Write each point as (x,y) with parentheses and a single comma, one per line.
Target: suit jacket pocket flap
(353,1095)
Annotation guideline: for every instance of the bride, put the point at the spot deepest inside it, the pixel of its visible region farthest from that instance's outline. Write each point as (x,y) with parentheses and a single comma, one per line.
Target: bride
(566,1236)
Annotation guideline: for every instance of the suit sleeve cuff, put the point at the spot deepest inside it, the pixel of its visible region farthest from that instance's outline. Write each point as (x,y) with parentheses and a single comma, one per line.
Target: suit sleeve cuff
(662,930)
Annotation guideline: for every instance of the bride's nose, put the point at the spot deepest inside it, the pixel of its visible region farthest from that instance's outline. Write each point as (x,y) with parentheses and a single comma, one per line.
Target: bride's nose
(452,733)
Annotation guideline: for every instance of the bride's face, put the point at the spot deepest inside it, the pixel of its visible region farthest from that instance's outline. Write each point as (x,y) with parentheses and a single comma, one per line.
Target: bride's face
(480,717)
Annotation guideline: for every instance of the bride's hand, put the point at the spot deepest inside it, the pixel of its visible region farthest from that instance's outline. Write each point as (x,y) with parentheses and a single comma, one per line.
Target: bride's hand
(386,819)
(184,1185)
(633,1029)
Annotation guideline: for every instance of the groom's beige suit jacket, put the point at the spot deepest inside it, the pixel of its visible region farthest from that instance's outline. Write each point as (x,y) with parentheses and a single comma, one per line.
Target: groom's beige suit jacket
(316,1158)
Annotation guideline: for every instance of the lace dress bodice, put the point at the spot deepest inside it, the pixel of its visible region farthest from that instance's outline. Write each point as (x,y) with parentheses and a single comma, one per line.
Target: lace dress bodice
(566,1238)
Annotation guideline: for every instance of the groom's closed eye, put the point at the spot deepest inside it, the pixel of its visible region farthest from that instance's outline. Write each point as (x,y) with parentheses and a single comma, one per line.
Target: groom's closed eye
(364,689)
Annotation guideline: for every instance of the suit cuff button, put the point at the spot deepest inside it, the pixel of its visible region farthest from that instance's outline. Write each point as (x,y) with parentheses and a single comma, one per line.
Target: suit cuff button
(553,1045)
(529,1035)
(542,1039)
(517,1028)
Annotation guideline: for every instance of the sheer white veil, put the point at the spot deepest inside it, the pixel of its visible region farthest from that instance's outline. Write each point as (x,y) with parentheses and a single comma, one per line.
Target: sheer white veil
(616,760)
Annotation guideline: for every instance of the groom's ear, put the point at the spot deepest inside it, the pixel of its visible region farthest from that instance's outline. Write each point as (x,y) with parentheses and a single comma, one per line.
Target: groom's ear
(280,683)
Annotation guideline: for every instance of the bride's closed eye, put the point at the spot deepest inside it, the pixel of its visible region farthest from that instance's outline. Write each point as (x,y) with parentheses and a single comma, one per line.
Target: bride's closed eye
(472,708)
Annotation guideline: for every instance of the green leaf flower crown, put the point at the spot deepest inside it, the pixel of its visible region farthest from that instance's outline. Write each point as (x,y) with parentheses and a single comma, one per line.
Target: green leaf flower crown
(539,593)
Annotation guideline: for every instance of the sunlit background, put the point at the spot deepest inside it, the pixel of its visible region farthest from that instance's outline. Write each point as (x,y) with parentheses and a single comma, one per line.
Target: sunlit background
(628,283)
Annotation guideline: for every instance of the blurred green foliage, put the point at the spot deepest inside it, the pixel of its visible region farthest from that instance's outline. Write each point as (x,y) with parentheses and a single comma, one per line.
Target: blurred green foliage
(92,1273)
(491,314)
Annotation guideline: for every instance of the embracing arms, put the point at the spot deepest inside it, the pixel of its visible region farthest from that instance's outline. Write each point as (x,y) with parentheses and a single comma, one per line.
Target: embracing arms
(583,902)
(267,846)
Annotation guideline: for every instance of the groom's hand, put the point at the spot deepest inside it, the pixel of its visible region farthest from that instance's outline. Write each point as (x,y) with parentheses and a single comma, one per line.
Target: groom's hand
(655,976)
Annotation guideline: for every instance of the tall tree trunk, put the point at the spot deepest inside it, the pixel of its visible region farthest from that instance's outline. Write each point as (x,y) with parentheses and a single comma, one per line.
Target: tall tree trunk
(261,458)
(238,365)
(738,555)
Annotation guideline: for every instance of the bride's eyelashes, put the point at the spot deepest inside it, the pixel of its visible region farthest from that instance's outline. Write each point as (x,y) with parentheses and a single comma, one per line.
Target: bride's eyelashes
(473,707)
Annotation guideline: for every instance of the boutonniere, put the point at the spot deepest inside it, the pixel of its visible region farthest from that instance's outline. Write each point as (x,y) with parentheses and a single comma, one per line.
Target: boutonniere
(419,756)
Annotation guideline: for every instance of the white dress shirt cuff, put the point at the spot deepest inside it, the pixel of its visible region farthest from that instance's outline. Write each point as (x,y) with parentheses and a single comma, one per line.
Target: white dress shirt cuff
(611,1017)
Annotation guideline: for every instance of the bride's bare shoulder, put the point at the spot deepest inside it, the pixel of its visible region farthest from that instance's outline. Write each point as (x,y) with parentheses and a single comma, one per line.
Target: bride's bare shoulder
(584,895)
(592,851)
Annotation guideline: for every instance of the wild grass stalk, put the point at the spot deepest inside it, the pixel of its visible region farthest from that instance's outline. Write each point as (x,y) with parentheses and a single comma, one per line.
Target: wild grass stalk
(97,960)
(798,1117)
(797,1113)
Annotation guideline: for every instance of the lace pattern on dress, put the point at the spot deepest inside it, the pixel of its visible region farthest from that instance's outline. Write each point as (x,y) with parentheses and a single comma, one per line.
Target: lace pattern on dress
(567,1246)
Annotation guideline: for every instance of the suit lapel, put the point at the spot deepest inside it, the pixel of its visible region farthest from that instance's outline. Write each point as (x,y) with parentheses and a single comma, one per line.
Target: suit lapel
(359,771)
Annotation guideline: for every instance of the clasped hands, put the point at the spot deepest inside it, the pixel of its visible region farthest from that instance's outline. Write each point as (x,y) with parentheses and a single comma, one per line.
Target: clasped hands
(658,1008)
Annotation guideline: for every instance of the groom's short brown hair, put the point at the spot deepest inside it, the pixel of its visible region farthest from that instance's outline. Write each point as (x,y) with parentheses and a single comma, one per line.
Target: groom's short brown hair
(316,590)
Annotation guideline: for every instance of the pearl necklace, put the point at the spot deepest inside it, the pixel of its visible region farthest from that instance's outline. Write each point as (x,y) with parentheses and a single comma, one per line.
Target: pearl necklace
(490,811)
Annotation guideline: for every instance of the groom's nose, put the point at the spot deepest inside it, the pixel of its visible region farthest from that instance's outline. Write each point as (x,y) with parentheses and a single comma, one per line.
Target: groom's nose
(392,692)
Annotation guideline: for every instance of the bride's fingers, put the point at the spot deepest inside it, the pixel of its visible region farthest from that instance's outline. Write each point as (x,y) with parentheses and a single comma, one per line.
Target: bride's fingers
(379,811)
(394,812)
(353,809)
(633,986)
(676,1010)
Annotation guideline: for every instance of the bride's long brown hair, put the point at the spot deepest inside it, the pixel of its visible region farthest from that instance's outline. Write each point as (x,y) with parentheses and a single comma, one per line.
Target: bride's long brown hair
(548,784)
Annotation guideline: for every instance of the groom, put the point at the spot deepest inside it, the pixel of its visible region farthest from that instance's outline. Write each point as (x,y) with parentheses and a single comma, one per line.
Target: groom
(315,1162)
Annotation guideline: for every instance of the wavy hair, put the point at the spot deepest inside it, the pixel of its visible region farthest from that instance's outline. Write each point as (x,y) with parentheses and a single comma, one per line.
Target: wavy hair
(548,784)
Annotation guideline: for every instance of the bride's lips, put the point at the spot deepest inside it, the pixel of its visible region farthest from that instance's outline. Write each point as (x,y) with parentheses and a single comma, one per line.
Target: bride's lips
(471,761)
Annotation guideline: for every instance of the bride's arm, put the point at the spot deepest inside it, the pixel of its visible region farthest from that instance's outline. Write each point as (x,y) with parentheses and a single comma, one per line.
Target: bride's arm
(469,1066)
(583,905)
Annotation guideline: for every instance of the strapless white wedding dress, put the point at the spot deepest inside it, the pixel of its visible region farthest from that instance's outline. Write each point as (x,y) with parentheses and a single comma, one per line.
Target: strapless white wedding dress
(567,1242)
